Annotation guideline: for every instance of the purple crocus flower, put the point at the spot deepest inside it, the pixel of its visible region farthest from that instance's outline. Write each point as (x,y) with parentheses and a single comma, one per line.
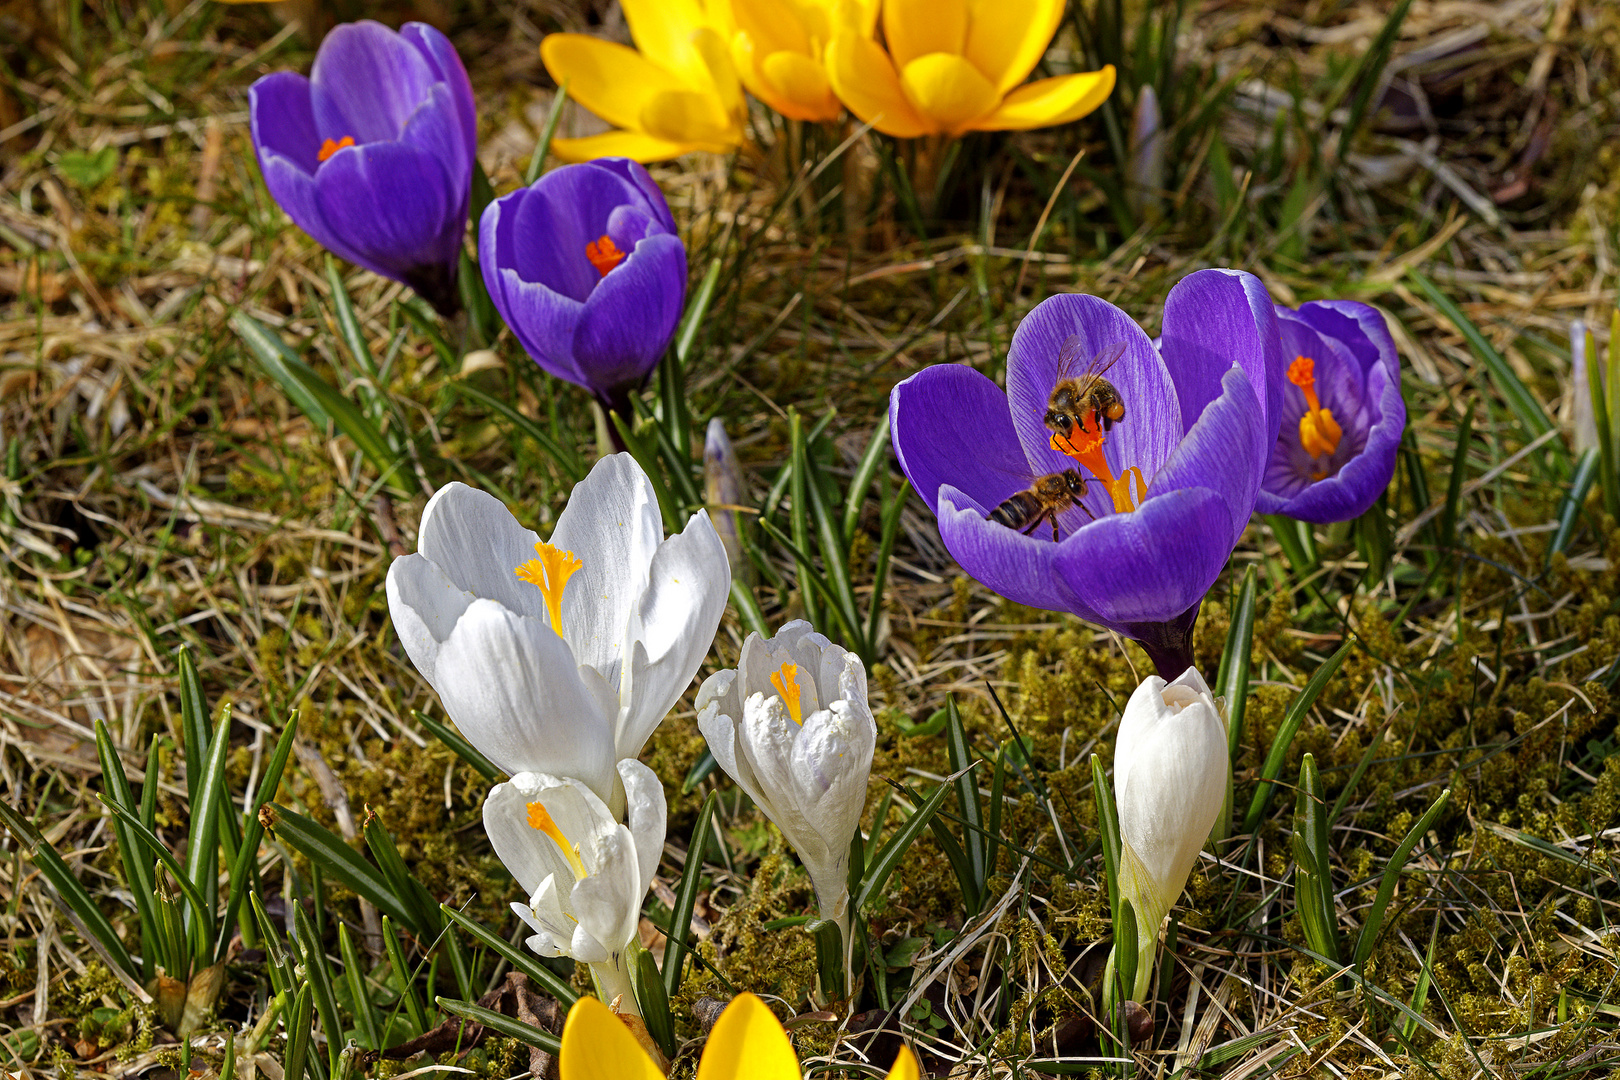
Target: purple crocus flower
(1196,423)
(372,154)
(1342,413)
(587,269)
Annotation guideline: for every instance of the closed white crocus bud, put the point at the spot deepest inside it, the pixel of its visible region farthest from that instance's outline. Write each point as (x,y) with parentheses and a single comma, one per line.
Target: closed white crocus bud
(791,725)
(1170,768)
(585,873)
(560,657)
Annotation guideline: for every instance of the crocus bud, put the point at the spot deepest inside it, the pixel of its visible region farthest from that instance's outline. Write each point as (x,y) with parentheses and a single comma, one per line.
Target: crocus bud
(1342,413)
(373,153)
(1170,767)
(791,725)
(1145,174)
(587,269)
(1585,420)
(722,488)
(585,873)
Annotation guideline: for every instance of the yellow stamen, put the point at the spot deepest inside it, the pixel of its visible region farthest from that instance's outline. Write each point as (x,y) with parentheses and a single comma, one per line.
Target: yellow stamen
(540,819)
(550,573)
(786,682)
(604,254)
(329,147)
(1319,433)
(1085,445)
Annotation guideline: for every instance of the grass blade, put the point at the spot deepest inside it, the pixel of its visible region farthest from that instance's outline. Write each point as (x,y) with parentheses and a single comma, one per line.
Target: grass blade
(465,750)
(1570,506)
(967,800)
(502,1024)
(1392,873)
(157,847)
(202,847)
(1108,832)
(566,460)
(537,160)
(680,916)
(404,975)
(244,872)
(326,848)
(1291,721)
(874,458)
(696,309)
(654,1001)
(365,1015)
(1312,885)
(538,973)
(1232,680)
(318,977)
(300,1032)
(425,912)
(1452,512)
(879,869)
(193,721)
(136,869)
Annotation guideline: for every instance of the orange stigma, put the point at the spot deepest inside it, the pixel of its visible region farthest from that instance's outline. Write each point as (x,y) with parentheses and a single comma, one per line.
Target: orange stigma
(1085,445)
(550,573)
(786,681)
(604,254)
(540,819)
(1319,433)
(330,147)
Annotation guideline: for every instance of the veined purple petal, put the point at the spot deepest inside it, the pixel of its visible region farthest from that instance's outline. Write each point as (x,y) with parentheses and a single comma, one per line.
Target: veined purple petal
(389,203)
(447,68)
(631,316)
(1021,568)
(949,425)
(366,83)
(1213,319)
(1359,327)
(1224,452)
(283,120)
(1151,427)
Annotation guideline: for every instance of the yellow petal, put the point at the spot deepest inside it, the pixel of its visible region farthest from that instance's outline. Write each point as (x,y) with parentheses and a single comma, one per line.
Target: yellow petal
(686,116)
(747,1043)
(631,144)
(774,26)
(857,15)
(905,1066)
(722,75)
(948,90)
(612,81)
(801,87)
(865,81)
(662,30)
(1050,101)
(597,1046)
(1007,38)
(915,28)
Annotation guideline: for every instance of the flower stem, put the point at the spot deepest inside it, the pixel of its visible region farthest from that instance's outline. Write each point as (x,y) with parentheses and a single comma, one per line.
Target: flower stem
(613,985)
(617,400)
(1168,644)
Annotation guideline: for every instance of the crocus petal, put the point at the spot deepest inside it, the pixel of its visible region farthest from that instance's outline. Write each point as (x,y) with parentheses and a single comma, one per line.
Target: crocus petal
(688,115)
(832,759)
(662,30)
(613,81)
(555,219)
(747,1042)
(629,319)
(916,28)
(512,687)
(366,82)
(1021,568)
(1048,102)
(474,539)
(447,68)
(543,321)
(528,854)
(799,86)
(950,425)
(596,1045)
(635,145)
(652,195)
(607,903)
(648,817)
(284,120)
(865,81)
(435,129)
(1212,319)
(948,89)
(390,204)
(1224,451)
(1007,38)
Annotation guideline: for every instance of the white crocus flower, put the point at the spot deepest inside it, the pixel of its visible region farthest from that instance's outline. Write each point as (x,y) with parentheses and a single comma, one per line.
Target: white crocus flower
(1170,769)
(585,873)
(560,657)
(791,725)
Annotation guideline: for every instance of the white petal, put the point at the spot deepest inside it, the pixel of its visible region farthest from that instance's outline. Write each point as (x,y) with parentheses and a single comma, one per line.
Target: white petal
(721,731)
(688,585)
(511,686)
(608,902)
(529,855)
(612,524)
(425,606)
(832,760)
(720,691)
(475,540)
(648,818)
(765,738)
(551,927)
(585,948)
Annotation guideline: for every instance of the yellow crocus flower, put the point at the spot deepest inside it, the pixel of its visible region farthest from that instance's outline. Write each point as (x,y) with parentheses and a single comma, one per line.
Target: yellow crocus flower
(779,47)
(747,1043)
(955,66)
(677,94)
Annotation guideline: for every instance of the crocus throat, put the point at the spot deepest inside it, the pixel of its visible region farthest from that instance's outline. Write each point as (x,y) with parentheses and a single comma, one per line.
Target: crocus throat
(1319,433)
(604,254)
(540,819)
(786,682)
(1085,445)
(550,573)
(330,147)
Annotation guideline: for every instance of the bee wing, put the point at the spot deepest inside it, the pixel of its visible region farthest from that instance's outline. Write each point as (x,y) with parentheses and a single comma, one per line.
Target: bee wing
(1071,357)
(1099,365)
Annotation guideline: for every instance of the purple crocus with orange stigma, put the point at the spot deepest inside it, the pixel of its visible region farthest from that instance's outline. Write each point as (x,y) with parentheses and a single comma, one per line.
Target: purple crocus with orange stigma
(1342,413)
(373,153)
(1169,482)
(587,269)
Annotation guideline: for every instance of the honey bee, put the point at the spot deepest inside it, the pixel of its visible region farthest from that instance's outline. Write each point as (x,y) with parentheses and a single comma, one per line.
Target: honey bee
(1076,395)
(1044,500)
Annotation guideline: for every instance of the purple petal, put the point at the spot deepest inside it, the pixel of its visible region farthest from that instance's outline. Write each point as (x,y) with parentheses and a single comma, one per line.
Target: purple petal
(1021,568)
(283,121)
(447,68)
(949,426)
(560,214)
(1359,327)
(1225,452)
(1212,320)
(630,317)
(1152,424)
(542,321)
(633,172)
(366,83)
(435,130)
(1150,565)
(1349,493)
(391,206)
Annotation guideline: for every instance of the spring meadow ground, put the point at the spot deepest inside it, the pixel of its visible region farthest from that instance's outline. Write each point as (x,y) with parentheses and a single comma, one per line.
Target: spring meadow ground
(1455,163)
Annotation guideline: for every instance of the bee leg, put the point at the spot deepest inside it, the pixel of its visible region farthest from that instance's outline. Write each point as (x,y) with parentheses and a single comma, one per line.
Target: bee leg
(1034,525)
(1054,529)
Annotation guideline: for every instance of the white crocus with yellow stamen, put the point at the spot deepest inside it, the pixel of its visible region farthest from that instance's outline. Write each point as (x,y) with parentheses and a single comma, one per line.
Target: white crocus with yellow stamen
(585,873)
(560,657)
(791,725)
(1170,770)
